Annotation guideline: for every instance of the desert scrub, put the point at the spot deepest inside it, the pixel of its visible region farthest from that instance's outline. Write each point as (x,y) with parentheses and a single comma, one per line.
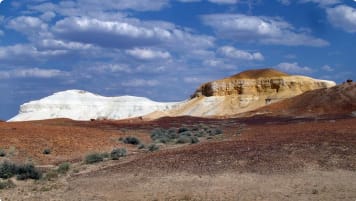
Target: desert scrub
(183,135)
(47,151)
(141,146)
(131,140)
(152,147)
(7,170)
(28,171)
(22,172)
(93,158)
(118,153)
(2,153)
(63,168)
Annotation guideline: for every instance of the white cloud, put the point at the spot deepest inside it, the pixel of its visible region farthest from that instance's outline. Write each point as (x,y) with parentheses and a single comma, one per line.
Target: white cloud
(1,1)
(327,68)
(148,54)
(128,33)
(342,16)
(140,83)
(19,51)
(285,2)
(233,53)
(322,2)
(265,30)
(224,1)
(31,73)
(294,68)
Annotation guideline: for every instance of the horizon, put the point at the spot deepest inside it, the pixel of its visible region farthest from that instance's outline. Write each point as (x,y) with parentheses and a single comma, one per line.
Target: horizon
(165,49)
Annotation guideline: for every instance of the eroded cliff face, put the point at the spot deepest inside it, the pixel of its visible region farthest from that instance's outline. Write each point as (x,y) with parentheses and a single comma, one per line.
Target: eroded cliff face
(261,86)
(247,91)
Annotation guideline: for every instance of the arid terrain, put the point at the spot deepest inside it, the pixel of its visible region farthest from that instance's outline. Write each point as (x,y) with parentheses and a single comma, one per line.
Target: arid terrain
(257,158)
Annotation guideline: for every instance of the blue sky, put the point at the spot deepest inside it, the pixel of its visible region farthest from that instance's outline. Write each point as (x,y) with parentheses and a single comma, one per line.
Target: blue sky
(164,49)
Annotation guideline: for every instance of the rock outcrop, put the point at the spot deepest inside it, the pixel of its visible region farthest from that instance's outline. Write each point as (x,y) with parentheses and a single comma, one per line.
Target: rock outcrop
(246,91)
(83,105)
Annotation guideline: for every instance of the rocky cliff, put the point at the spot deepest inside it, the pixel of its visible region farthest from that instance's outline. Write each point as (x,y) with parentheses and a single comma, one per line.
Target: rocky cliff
(247,91)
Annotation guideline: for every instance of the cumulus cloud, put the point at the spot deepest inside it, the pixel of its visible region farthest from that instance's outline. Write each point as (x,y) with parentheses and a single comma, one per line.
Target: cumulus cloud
(343,17)
(233,53)
(127,34)
(1,1)
(31,72)
(294,68)
(322,2)
(285,2)
(224,1)
(327,68)
(148,54)
(261,29)
(21,50)
(140,83)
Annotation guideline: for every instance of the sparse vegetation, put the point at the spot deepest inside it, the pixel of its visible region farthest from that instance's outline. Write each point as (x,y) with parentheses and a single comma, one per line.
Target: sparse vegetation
(93,158)
(47,151)
(131,140)
(63,168)
(141,146)
(22,172)
(152,147)
(2,153)
(184,134)
(118,153)
(28,171)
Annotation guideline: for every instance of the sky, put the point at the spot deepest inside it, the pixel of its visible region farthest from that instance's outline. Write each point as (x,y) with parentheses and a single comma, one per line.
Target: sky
(164,49)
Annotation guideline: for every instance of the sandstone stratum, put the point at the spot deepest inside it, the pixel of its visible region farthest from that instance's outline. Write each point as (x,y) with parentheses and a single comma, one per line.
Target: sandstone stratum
(244,92)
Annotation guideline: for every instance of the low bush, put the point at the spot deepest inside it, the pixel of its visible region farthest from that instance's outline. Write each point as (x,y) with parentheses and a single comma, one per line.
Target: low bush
(105,155)
(182,135)
(7,170)
(141,146)
(46,151)
(28,171)
(63,168)
(182,129)
(131,140)
(93,158)
(118,153)
(153,147)
(2,153)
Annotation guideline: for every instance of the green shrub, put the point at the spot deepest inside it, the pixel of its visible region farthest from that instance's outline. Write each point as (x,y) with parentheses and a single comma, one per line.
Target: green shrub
(7,170)
(2,153)
(194,140)
(28,171)
(47,151)
(93,158)
(184,140)
(153,147)
(105,155)
(118,153)
(182,129)
(131,140)
(6,184)
(141,146)
(63,168)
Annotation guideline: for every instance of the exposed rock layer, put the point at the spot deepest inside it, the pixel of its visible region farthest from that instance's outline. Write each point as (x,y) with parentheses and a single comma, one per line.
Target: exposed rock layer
(246,91)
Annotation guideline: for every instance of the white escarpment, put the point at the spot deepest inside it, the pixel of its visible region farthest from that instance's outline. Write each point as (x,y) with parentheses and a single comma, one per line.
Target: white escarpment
(83,105)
